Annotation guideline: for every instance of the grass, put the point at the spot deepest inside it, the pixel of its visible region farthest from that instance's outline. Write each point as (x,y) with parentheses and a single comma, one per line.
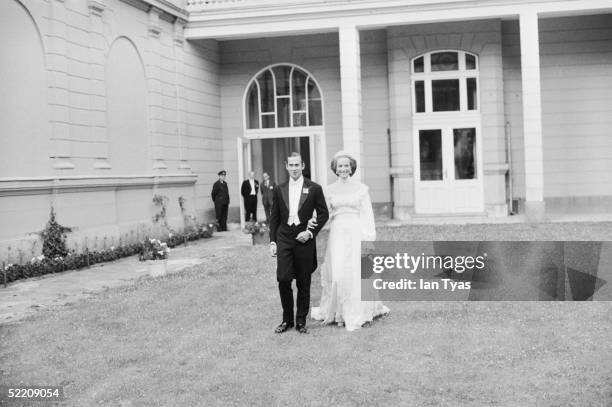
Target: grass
(204,337)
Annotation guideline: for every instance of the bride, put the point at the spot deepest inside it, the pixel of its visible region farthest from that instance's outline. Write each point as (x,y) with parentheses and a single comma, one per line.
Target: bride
(351,221)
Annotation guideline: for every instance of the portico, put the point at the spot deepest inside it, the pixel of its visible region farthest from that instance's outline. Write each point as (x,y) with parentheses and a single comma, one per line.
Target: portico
(411,29)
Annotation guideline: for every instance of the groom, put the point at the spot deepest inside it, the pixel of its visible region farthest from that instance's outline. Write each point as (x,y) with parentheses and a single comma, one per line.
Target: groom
(292,243)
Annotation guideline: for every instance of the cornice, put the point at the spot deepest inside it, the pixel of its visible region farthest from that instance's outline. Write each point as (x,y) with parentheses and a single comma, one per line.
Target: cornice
(257,18)
(46,185)
(164,6)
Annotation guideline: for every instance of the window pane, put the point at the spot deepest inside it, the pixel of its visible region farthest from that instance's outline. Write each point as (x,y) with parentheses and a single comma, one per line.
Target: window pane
(430,152)
(445,95)
(470,61)
(472,94)
(298,84)
(282,110)
(299,119)
(315,118)
(253,108)
(465,153)
(281,74)
(444,61)
(419,92)
(266,87)
(313,90)
(419,65)
(267,121)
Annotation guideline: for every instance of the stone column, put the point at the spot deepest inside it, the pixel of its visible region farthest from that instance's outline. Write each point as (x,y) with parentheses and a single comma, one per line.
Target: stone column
(532,117)
(181,126)
(57,67)
(98,84)
(400,127)
(350,83)
(155,91)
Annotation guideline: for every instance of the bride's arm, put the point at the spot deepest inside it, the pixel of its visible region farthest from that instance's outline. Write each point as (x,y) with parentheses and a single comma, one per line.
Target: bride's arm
(366,217)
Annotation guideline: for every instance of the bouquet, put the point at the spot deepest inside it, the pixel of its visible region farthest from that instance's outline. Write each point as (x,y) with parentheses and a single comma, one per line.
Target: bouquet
(153,249)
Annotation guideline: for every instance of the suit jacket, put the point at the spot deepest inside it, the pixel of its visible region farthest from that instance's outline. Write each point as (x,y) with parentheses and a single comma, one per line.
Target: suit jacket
(220,193)
(267,192)
(311,198)
(245,189)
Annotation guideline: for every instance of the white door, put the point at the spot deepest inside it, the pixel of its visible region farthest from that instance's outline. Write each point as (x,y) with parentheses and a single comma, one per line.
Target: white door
(448,169)
(244,165)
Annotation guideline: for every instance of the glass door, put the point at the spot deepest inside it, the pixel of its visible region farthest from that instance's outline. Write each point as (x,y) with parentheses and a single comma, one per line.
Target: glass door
(448,173)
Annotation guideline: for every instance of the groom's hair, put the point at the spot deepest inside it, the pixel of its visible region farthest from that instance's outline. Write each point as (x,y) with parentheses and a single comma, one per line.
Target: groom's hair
(294,154)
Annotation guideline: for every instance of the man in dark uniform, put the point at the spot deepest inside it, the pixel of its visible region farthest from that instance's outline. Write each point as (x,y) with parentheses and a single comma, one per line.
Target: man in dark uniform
(249,190)
(267,193)
(220,196)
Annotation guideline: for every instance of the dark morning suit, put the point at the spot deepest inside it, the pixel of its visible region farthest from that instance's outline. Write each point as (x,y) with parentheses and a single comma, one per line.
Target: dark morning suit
(250,201)
(295,260)
(220,196)
(267,196)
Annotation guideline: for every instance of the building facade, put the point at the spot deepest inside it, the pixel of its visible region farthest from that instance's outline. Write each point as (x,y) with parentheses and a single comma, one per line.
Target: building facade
(451,107)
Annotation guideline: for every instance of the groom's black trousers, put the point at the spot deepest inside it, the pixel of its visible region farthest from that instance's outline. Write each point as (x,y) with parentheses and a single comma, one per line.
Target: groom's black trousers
(295,261)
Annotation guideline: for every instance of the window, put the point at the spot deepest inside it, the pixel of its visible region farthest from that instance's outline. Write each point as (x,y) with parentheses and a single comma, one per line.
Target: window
(283,96)
(445,81)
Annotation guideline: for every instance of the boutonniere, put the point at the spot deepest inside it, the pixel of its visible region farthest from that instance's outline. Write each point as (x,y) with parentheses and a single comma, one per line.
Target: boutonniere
(304,190)
(271,187)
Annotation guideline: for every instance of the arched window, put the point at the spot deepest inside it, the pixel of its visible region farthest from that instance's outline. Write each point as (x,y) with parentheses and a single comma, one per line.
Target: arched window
(283,96)
(445,81)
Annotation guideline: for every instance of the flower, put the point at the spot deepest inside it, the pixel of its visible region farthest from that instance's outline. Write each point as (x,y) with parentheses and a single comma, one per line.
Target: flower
(256,227)
(153,249)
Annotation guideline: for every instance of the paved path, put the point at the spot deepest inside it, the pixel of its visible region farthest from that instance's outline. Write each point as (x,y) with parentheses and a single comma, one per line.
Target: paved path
(26,297)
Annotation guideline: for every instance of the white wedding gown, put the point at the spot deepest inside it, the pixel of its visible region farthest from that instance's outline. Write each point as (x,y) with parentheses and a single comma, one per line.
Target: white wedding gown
(351,221)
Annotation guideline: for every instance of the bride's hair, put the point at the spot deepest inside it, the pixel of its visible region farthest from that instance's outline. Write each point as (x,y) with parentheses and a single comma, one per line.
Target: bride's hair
(352,161)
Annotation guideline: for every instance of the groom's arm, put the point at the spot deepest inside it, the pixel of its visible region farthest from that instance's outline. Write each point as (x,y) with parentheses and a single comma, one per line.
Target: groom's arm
(321,208)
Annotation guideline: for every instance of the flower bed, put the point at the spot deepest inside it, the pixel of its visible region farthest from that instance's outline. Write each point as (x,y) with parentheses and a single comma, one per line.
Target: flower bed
(148,249)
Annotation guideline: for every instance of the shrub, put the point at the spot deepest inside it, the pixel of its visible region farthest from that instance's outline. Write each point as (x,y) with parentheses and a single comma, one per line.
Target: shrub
(54,238)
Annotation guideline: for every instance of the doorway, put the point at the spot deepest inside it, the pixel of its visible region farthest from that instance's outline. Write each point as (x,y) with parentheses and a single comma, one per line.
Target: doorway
(267,153)
(448,170)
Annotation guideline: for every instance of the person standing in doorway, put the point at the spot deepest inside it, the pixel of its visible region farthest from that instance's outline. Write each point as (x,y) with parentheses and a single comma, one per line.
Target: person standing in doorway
(267,193)
(249,190)
(220,196)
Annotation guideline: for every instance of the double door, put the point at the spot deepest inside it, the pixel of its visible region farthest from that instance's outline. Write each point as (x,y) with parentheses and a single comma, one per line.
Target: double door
(448,169)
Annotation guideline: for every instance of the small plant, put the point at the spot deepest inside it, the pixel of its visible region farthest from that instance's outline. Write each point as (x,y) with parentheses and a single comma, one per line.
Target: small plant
(189,221)
(54,238)
(161,202)
(256,228)
(153,249)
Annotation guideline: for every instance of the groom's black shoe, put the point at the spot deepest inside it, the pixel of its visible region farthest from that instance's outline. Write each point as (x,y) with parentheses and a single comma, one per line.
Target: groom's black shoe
(301,328)
(285,326)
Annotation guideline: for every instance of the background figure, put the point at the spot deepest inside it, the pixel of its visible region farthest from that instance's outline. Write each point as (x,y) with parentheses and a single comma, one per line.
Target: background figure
(249,190)
(220,196)
(267,193)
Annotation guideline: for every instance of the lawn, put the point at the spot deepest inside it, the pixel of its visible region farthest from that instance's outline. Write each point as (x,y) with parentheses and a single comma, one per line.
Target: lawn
(205,337)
